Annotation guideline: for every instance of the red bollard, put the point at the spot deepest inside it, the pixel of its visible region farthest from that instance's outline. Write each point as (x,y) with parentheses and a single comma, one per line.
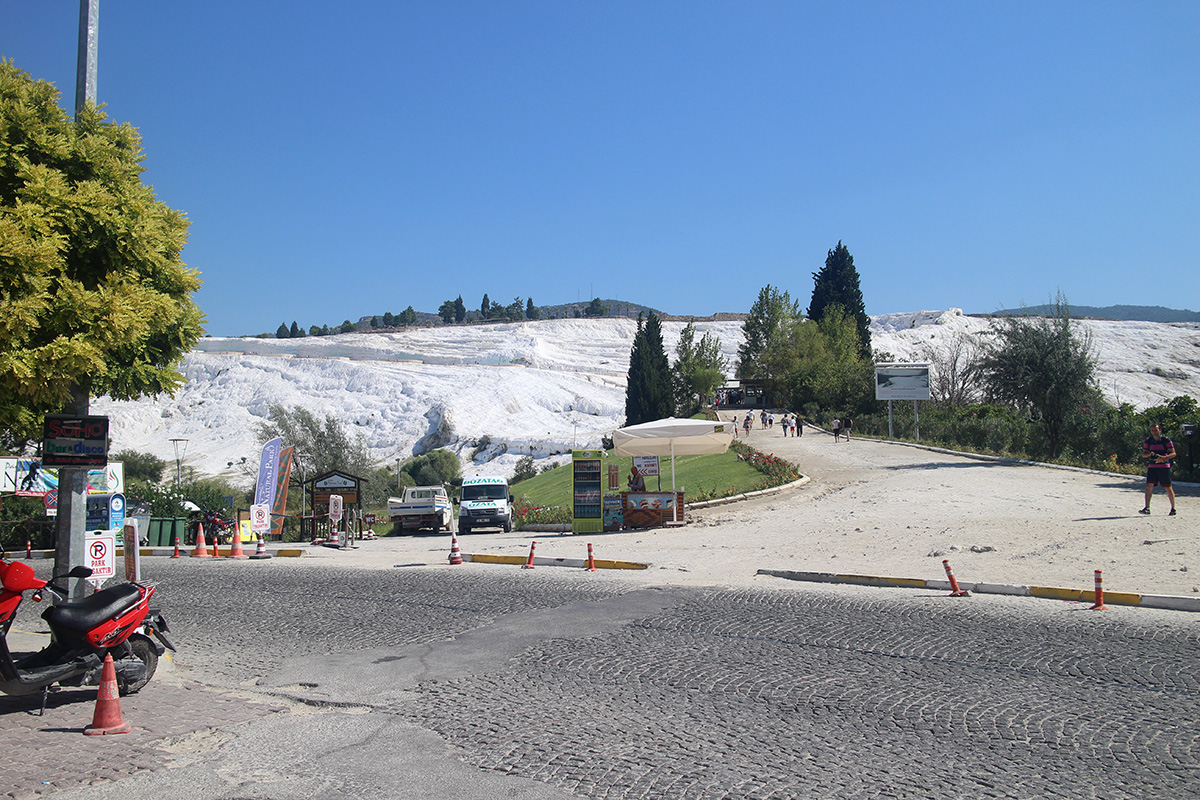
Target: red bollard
(529,561)
(954,590)
(28,549)
(176,554)
(591,562)
(1099,605)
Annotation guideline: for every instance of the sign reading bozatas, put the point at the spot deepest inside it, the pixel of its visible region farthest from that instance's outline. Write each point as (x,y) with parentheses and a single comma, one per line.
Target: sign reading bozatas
(74,441)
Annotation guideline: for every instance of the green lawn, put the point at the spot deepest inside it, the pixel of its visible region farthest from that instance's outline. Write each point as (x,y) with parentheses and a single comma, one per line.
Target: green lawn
(700,477)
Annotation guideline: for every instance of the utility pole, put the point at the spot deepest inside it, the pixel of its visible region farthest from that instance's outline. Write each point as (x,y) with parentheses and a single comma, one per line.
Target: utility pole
(72,481)
(85,69)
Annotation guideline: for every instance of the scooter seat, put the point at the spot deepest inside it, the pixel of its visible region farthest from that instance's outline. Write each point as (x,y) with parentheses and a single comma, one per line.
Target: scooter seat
(93,610)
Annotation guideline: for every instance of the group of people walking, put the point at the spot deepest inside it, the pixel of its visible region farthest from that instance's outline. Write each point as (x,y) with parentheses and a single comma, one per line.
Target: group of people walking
(790,423)
(841,427)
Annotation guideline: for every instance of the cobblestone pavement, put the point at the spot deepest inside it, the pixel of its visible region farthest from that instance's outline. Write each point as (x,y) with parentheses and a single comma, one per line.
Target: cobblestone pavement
(773,691)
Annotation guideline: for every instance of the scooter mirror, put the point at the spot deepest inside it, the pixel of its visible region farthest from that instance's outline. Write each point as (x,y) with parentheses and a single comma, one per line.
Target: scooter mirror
(80,572)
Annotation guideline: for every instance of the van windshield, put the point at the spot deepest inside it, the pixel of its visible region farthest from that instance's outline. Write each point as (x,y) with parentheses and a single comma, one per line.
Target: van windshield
(487,491)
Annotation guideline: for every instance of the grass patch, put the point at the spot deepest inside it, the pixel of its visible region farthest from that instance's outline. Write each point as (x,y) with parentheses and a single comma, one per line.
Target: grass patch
(699,477)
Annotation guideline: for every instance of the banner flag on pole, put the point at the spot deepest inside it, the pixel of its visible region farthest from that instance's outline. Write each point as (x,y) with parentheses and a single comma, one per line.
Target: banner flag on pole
(268,472)
(279,505)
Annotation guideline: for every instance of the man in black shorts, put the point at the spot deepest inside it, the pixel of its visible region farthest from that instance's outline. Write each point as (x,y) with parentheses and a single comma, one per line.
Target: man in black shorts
(1160,450)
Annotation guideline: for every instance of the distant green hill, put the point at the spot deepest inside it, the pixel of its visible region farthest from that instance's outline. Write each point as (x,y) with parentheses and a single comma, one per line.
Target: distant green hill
(1138,313)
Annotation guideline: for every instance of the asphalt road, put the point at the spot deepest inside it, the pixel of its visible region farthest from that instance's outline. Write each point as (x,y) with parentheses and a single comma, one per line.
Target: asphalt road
(450,682)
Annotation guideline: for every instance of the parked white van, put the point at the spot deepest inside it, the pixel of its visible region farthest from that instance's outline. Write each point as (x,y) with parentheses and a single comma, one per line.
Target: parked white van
(485,503)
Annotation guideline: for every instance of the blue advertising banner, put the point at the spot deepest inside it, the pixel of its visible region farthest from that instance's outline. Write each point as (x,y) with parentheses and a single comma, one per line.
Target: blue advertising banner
(268,473)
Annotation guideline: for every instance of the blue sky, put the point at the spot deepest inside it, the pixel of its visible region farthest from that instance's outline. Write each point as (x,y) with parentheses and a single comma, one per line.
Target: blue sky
(345,158)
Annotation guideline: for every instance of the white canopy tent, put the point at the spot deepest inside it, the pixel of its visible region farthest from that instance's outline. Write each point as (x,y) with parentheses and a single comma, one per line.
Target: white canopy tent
(672,437)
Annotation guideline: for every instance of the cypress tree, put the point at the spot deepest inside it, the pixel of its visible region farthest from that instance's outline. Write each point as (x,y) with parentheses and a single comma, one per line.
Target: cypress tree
(837,283)
(648,393)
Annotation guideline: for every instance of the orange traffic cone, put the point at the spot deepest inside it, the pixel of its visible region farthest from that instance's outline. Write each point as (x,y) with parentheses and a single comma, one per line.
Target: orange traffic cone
(455,554)
(235,549)
(176,554)
(261,550)
(529,562)
(201,550)
(591,562)
(107,717)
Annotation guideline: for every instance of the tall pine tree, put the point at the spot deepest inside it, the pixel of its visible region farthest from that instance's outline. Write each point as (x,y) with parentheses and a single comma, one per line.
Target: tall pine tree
(837,283)
(648,393)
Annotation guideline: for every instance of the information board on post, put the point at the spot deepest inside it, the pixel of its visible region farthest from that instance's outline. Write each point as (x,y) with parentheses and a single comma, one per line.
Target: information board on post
(902,382)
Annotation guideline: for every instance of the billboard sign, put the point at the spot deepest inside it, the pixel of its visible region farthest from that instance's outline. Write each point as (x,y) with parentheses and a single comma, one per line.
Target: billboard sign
(74,441)
(901,381)
(25,477)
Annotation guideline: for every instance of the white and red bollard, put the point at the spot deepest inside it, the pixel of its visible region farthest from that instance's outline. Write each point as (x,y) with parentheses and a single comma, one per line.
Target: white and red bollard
(591,562)
(1099,605)
(954,590)
(529,561)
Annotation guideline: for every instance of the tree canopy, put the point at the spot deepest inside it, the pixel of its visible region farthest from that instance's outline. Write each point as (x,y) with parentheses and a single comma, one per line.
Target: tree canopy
(763,354)
(837,284)
(93,292)
(648,392)
(699,369)
(1041,366)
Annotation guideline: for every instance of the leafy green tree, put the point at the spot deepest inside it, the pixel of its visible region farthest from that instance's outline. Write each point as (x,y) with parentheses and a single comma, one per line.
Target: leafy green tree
(430,469)
(347,327)
(389,319)
(595,308)
(699,369)
(524,470)
(94,297)
(515,311)
(296,331)
(446,311)
(831,374)
(837,284)
(764,354)
(321,445)
(460,310)
(1042,367)
(648,391)
(409,316)
(531,311)
(141,466)
(282,331)
(374,323)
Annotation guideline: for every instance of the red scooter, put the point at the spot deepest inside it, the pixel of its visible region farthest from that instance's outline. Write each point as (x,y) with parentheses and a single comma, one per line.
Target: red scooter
(116,620)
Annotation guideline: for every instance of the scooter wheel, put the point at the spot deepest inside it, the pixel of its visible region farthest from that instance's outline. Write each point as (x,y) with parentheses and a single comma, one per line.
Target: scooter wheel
(143,650)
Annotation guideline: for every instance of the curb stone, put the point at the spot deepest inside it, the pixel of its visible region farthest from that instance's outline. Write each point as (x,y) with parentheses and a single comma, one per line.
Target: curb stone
(1167,602)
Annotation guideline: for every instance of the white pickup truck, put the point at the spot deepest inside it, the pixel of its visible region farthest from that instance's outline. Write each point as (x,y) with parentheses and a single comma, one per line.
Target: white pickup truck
(421,507)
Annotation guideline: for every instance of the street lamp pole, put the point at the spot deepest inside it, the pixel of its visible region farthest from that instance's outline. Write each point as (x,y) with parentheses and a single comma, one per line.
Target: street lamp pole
(180,446)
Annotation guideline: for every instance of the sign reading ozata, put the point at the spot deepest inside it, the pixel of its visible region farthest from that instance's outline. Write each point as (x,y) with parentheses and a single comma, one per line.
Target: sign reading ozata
(73,441)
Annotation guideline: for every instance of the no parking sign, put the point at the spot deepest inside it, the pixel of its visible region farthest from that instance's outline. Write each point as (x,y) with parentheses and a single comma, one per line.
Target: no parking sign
(260,518)
(100,548)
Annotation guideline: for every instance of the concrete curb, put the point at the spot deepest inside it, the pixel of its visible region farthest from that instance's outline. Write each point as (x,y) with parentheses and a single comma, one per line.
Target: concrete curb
(538,561)
(735,498)
(283,552)
(1168,602)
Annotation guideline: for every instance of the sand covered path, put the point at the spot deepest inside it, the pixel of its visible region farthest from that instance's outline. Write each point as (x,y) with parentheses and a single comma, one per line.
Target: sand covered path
(878,508)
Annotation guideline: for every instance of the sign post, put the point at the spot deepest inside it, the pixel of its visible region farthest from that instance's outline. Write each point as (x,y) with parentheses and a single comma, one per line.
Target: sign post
(902,382)
(335,517)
